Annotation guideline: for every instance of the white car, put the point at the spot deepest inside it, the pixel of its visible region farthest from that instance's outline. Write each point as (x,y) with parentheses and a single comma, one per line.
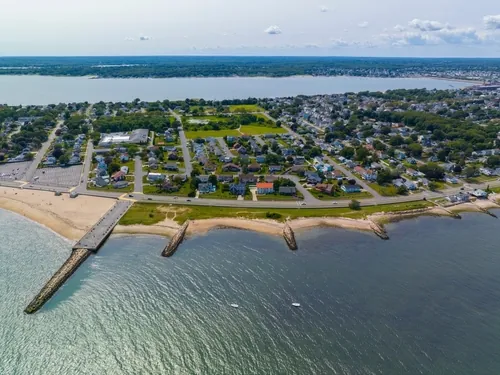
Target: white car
(335,202)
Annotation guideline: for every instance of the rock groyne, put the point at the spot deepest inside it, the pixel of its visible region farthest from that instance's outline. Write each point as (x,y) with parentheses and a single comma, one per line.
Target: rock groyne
(74,261)
(176,240)
(379,230)
(289,237)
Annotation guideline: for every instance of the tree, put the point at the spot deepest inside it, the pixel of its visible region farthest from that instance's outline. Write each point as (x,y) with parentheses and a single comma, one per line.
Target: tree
(397,140)
(64,159)
(402,190)
(355,205)
(433,186)
(493,161)
(58,151)
(384,177)
(347,152)
(432,171)
(415,150)
(113,167)
(212,179)
(471,171)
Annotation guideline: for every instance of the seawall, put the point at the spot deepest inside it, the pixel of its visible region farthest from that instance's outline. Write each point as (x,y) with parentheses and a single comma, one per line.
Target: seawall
(289,237)
(176,240)
(74,261)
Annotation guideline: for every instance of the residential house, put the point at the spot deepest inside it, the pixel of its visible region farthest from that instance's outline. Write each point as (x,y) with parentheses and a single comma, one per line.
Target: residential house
(171,167)
(288,190)
(265,188)
(226,159)
(324,188)
(478,193)
(153,163)
(237,189)
(123,158)
(203,178)
(225,178)
(205,188)
(451,179)
(124,169)
(230,167)
(299,160)
(247,178)
(313,178)
(275,168)
(153,177)
(118,176)
(169,186)
(254,167)
(210,167)
(350,188)
(261,159)
(120,184)
(369,175)
(101,182)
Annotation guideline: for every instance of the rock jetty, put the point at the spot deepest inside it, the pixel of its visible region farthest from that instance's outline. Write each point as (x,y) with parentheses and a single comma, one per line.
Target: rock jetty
(74,261)
(175,241)
(289,237)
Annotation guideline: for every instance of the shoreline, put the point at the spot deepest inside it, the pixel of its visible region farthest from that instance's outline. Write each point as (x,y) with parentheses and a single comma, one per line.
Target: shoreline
(72,218)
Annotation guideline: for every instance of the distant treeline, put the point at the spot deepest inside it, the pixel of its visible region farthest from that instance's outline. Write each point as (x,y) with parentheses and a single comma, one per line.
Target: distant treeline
(225,66)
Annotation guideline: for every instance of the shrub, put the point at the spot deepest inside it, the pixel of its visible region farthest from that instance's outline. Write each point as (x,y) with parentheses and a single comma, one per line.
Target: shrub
(355,205)
(273,215)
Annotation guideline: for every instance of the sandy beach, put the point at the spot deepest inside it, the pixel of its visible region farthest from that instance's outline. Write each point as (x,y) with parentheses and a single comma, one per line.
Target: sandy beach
(70,218)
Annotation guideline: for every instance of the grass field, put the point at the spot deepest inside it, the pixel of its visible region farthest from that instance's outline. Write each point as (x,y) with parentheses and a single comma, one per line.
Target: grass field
(153,190)
(128,189)
(277,197)
(190,134)
(341,196)
(242,108)
(150,213)
(258,130)
(385,191)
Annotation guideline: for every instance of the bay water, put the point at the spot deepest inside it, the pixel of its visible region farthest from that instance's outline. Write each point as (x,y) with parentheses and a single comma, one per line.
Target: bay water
(425,302)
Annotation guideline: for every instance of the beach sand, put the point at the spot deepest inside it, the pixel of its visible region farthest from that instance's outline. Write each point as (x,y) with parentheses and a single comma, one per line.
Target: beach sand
(68,217)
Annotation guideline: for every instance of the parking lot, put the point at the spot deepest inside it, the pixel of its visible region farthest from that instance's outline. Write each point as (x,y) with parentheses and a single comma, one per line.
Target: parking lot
(13,171)
(62,177)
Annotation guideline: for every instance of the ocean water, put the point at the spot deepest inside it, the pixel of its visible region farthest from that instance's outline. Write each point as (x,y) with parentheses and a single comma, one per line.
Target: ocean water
(15,90)
(425,302)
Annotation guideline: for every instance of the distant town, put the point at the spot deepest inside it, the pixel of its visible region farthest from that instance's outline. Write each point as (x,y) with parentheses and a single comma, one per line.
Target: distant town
(352,149)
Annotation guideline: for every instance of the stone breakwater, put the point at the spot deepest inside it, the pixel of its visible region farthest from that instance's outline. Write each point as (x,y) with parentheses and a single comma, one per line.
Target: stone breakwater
(289,237)
(74,261)
(176,240)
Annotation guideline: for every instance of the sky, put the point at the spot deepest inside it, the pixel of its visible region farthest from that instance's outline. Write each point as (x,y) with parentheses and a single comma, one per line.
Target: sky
(423,28)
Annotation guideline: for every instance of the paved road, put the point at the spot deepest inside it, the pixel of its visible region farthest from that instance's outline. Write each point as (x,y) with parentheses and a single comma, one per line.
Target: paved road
(138,174)
(30,173)
(184,144)
(223,145)
(87,164)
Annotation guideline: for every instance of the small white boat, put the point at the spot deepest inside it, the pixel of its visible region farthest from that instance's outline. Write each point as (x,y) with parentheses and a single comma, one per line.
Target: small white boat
(295,304)
(234,305)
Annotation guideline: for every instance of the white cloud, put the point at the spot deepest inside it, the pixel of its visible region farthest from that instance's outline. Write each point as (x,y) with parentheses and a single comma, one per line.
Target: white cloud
(425,25)
(339,43)
(399,28)
(492,22)
(323,9)
(144,38)
(129,39)
(459,36)
(363,24)
(273,30)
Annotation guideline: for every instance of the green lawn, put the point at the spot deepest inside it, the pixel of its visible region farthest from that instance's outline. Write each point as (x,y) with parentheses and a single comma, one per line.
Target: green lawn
(259,130)
(150,213)
(193,134)
(245,108)
(385,191)
(192,120)
(481,179)
(278,197)
(153,190)
(128,189)
(339,195)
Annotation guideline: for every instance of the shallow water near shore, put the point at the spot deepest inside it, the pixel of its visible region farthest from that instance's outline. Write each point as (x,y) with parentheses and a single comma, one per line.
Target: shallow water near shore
(426,301)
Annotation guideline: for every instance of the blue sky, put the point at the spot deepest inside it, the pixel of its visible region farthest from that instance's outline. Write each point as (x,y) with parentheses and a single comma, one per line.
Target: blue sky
(260,27)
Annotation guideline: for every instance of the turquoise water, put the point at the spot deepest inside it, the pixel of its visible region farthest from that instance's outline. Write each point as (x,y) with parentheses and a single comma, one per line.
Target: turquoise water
(425,302)
(15,90)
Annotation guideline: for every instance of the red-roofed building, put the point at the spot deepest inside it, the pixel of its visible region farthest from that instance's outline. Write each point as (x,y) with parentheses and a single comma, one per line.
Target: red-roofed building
(118,176)
(265,188)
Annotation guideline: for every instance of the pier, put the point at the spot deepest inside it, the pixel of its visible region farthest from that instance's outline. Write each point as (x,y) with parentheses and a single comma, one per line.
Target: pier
(176,240)
(89,243)
(289,237)
(74,261)
(98,234)
(379,230)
